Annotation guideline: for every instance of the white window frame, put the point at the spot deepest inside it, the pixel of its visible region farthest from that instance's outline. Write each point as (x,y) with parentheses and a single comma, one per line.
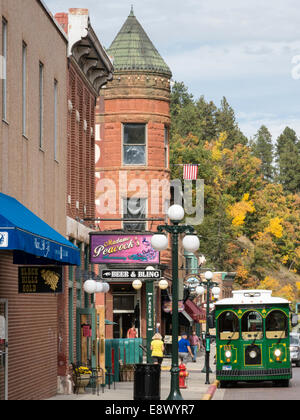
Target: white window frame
(24,89)
(4,68)
(145,145)
(55,119)
(41,104)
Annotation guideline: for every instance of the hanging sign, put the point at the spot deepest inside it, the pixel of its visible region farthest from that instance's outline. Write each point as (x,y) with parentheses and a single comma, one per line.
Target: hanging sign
(122,248)
(40,279)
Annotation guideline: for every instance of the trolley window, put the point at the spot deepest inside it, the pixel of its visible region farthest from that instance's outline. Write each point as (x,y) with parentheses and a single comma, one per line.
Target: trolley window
(228,326)
(252,326)
(276,325)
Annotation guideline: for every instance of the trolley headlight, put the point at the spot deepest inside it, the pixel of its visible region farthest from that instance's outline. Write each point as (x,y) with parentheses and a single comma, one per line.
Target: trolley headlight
(228,354)
(277,353)
(253,354)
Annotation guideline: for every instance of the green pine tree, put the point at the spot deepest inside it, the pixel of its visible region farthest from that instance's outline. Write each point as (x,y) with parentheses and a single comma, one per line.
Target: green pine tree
(288,161)
(263,149)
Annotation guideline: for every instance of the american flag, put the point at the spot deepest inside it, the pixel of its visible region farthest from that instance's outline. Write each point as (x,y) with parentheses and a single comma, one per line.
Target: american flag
(190,172)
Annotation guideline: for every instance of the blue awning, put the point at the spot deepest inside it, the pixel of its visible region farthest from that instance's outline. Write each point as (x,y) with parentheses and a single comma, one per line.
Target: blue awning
(33,240)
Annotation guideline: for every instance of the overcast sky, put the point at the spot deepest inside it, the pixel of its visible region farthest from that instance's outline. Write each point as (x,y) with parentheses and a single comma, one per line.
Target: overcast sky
(247,51)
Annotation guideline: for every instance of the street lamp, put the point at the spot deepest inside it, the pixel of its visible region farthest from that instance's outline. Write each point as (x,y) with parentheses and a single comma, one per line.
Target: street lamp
(92,286)
(160,242)
(214,287)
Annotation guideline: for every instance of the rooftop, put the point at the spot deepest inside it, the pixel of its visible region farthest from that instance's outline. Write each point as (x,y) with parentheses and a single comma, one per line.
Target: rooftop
(132,49)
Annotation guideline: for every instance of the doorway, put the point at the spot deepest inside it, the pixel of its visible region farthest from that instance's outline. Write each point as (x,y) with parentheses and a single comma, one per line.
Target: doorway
(123,313)
(123,321)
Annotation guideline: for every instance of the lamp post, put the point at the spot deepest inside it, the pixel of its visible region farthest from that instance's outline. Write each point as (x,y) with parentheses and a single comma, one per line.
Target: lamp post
(208,285)
(160,243)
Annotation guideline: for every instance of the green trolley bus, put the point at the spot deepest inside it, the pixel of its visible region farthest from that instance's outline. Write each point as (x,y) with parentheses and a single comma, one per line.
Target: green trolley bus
(252,338)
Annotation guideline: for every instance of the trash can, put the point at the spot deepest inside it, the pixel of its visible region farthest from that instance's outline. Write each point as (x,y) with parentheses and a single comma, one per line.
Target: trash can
(146,382)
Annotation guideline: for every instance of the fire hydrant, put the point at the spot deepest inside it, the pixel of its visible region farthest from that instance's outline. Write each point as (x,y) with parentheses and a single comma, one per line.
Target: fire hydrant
(182,375)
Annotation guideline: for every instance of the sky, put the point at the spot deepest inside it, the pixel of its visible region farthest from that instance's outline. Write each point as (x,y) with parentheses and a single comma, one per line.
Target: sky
(247,51)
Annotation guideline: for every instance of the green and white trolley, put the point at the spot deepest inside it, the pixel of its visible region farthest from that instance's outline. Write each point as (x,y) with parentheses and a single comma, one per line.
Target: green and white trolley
(252,338)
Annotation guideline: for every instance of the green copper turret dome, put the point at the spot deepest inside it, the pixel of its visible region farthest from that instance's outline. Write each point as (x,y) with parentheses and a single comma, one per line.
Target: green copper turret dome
(133,50)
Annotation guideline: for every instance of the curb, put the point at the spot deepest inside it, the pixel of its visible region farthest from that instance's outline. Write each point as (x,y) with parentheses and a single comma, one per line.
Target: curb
(211,390)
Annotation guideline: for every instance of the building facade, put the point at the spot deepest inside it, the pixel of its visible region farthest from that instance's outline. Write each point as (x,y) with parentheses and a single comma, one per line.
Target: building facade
(89,69)
(33,190)
(132,162)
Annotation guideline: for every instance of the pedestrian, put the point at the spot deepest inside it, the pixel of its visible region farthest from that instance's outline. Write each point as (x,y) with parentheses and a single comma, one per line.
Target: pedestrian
(195,345)
(157,348)
(132,333)
(184,348)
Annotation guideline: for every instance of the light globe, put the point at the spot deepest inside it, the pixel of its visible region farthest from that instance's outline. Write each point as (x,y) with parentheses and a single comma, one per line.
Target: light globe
(176,213)
(200,290)
(137,284)
(106,287)
(216,291)
(208,275)
(90,286)
(159,242)
(99,287)
(163,284)
(191,243)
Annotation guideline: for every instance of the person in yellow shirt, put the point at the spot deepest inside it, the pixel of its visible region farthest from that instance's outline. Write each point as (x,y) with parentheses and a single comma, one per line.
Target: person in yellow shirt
(157,348)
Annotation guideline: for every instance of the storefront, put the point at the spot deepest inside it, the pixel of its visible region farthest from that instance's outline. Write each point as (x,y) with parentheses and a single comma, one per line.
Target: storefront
(31,277)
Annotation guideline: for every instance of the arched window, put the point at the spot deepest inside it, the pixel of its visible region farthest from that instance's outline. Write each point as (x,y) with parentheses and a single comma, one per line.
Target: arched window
(252,326)
(228,326)
(276,325)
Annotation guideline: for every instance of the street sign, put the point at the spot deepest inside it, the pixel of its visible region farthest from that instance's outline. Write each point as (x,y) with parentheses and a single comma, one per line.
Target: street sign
(131,274)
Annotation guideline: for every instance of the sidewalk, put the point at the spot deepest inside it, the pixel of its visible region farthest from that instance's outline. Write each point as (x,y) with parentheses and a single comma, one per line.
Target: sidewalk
(124,390)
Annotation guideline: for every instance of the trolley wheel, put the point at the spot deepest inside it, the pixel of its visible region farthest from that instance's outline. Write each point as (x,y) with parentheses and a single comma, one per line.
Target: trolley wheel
(223,384)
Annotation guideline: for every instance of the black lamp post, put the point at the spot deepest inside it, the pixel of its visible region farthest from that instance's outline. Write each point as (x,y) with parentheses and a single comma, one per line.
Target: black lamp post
(208,285)
(160,243)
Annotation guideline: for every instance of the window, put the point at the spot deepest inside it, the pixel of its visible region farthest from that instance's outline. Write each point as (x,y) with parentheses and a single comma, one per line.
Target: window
(24,89)
(134,143)
(134,208)
(3,70)
(41,103)
(55,118)
(228,326)
(252,326)
(276,325)
(166,147)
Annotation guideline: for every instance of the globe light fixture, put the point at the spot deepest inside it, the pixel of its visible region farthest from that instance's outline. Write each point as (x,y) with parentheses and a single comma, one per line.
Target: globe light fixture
(90,286)
(208,275)
(216,291)
(191,243)
(99,287)
(163,284)
(137,284)
(106,287)
(176,213)
(200,290)
(159,242)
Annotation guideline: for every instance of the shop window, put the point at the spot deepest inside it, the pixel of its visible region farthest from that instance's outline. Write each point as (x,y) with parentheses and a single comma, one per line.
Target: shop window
(134,144)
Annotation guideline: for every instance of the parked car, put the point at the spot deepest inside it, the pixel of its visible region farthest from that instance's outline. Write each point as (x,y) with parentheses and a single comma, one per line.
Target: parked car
(295,348)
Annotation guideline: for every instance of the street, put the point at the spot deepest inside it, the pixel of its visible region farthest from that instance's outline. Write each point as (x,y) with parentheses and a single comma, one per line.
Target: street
(262,391)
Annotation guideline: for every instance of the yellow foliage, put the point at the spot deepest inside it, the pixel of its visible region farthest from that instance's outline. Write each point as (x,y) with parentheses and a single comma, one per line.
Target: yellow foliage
(239,210)
(284,259)
(275,227)
(242,272)
(269,283)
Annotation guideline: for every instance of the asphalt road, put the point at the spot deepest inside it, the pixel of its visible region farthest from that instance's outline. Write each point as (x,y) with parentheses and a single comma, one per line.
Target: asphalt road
(263,390)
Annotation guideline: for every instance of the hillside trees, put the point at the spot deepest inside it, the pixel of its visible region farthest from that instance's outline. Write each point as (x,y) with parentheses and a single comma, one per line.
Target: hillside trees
(251,222)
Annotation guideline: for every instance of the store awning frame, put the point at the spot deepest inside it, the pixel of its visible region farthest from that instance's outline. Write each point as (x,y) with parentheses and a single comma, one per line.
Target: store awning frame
(32,240)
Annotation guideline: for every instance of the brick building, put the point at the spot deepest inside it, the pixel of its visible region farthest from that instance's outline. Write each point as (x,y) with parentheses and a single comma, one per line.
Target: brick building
(33,190)
(132,160)
(89,69)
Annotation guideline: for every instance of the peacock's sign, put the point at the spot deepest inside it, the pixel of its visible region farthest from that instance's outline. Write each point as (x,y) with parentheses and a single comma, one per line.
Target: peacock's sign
(122,249)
